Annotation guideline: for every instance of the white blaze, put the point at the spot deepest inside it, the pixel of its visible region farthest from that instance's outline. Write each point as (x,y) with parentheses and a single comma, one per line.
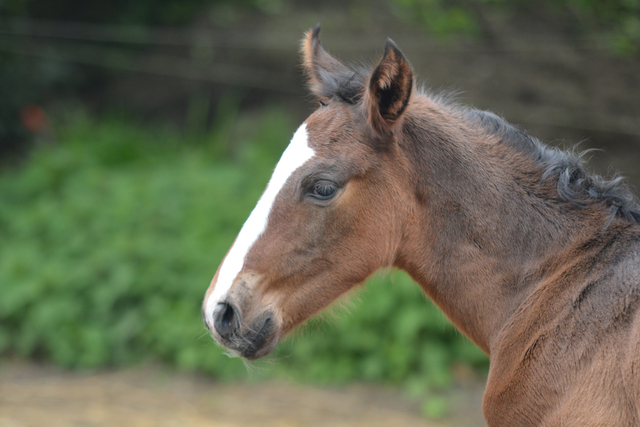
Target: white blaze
(296,154)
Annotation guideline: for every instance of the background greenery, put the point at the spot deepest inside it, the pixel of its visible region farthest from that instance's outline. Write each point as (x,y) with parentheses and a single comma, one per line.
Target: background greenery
(110,238)
(619,18)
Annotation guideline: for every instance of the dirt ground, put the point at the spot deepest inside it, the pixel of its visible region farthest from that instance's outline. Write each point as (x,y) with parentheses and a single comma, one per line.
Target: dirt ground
(35,396)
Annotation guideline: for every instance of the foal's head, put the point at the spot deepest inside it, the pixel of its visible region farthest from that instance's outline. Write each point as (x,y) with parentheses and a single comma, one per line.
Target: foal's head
(332,213)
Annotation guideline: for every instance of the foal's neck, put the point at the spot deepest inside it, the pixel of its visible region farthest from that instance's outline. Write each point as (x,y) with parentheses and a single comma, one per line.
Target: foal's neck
(487,228)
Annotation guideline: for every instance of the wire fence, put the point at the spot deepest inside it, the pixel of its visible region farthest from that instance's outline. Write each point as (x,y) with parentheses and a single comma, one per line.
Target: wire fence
(179,53)
(251,39)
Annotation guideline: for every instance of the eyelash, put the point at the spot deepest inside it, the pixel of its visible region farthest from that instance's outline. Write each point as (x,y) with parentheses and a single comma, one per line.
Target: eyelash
(323,190)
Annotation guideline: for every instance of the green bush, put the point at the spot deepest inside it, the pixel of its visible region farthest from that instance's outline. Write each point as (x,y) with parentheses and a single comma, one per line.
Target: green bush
(110,238)
(615,21)
(136,12)
(390,333)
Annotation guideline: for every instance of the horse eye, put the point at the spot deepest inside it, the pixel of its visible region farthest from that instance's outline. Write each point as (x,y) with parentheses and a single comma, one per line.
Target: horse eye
(323,190)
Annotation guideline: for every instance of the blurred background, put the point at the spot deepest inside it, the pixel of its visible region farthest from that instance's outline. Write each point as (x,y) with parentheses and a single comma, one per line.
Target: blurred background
(136,137)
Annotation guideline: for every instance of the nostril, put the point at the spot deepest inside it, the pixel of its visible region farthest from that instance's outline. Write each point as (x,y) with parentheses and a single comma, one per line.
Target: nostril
(224,319)
(227,317)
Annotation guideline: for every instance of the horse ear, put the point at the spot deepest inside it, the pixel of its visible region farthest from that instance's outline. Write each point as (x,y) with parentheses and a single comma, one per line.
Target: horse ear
(389,90)
(322,69)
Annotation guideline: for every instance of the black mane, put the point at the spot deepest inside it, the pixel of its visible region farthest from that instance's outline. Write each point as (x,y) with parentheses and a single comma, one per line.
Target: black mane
(575,184)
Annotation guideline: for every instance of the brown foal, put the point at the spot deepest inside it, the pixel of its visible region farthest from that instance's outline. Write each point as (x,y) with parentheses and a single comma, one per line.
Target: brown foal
(533,258)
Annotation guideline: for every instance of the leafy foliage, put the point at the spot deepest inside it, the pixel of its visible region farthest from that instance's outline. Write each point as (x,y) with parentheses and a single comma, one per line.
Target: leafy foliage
(616,20)
(442,17)
(110,238)
(390,333)
(140,12)
(621,18)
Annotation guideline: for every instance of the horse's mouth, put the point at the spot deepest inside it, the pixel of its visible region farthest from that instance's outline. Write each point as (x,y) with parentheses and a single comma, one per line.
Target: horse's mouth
(259,345)
(250,344)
